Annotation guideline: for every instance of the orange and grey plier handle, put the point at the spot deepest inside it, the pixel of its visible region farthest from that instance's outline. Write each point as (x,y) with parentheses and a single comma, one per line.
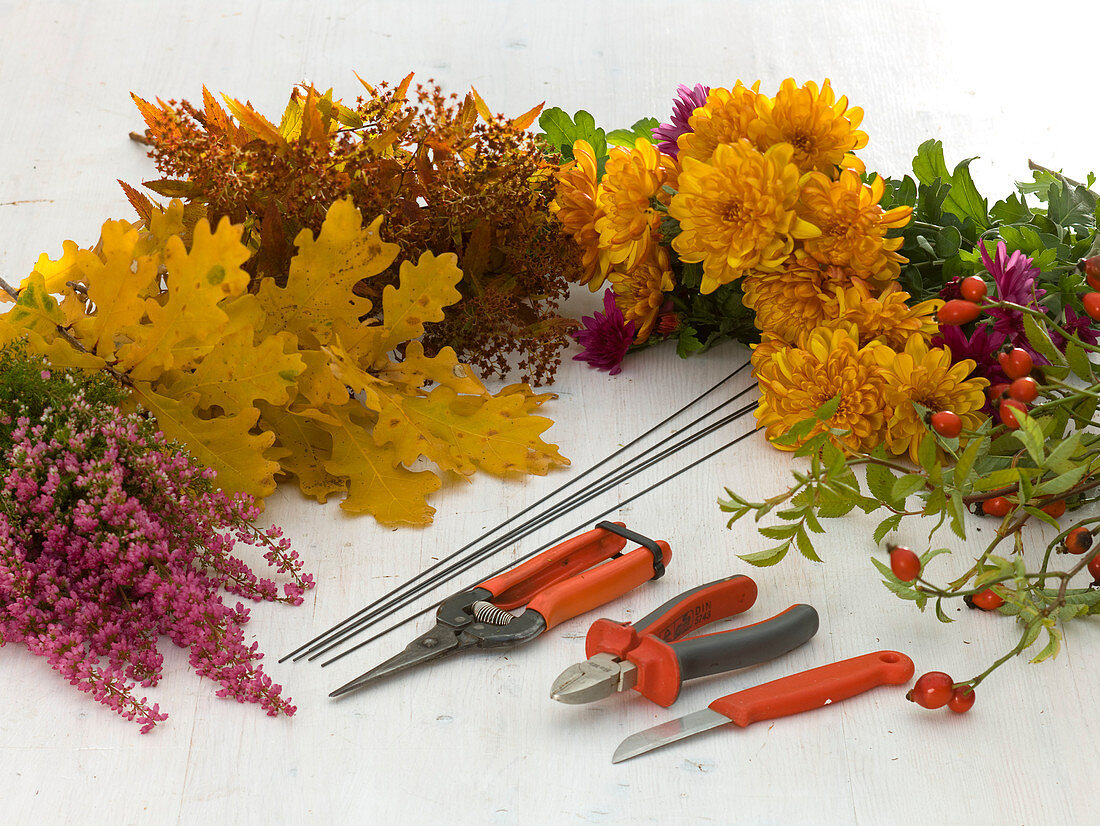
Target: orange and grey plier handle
(656,655)
(576,576)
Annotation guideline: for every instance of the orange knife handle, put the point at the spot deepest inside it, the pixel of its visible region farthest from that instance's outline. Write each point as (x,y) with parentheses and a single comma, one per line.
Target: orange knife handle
(815,688)
(517,586)
(596,587)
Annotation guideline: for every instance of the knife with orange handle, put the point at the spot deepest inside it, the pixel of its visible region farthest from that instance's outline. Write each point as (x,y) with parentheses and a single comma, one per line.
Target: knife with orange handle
(784,697)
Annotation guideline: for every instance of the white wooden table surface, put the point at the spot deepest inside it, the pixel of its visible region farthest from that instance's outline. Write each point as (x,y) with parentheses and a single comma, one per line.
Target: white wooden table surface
(477,740)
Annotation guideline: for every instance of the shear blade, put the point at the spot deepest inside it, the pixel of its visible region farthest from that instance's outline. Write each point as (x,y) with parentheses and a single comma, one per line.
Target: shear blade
(435,644)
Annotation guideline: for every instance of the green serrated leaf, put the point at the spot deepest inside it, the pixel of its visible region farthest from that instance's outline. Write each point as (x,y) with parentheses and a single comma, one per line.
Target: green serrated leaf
(940,615)
(767,558)
(805,546)
(906,485)
(1054,644)
(1038,338)
(778,531)
(828,410)
(890,523)
(1078,361)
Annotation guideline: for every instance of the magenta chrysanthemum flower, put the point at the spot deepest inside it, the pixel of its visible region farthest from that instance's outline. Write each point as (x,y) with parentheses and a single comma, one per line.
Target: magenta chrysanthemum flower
(1080,325)
(1014,276)
(606,337)
(981,346)
(688,101)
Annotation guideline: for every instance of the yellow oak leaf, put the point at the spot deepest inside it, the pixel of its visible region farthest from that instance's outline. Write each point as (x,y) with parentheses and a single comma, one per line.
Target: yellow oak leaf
(35,310)
(61,354)
(492,433)
(225,443)
(425,289)
(317,384)
(409,426)
(238,371)
(304,446)
(116,284)
(56,274)
(360,381)
(319,285)
(377,483)
(416,369)
(197,281)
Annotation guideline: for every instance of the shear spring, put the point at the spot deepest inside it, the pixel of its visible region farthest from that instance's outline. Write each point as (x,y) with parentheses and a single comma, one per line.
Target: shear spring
(489,614)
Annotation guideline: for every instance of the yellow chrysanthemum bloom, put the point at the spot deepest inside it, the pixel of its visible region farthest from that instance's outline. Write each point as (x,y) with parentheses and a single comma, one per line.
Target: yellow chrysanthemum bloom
(737,212)
(764,351)
(885,318)
(577,207)
(728,116)
(853,225)
(641,292)
(926,375)
(822,129)
(629,225)
(796,381)
(788,302)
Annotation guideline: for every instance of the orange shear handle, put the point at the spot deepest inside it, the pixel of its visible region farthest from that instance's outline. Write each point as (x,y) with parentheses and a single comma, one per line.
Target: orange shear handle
(519,585)
(598,586)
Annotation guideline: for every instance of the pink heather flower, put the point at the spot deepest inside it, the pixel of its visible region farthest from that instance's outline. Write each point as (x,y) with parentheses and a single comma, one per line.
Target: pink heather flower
(606,337)
(687,101)
(111,538)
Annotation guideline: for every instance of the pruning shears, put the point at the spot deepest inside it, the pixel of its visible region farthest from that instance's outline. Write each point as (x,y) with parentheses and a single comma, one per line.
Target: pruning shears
(576,576)
(655,655)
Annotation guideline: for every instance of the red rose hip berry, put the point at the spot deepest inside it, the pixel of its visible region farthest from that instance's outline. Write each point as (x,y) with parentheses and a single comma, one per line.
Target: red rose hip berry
(947,423)
(1008,418)
(904,563)
(997,506)
(1024,389)
(1094,569)
(962,699)
(1016,362)
(1092,305)
(958,311)
(1078,541)
(973,288)
(932,690)
(987,600)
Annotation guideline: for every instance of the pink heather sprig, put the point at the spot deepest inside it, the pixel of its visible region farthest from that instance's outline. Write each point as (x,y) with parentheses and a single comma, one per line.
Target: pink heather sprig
(109,538)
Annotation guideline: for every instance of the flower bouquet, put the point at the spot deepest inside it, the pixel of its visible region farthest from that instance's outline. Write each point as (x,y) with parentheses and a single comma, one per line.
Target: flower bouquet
(902,327)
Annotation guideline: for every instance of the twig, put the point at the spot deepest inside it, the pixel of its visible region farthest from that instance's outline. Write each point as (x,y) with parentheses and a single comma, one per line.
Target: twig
(1035,167)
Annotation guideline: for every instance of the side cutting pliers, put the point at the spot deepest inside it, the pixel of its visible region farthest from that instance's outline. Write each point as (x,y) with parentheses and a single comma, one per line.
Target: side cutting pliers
(655,655)
(576,576)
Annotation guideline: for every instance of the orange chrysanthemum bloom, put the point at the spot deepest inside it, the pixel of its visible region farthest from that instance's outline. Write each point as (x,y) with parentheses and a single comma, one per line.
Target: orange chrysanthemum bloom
(629,226)
(641,292)
(790,301)
(828,362)
(853,225)
(727,116)
(577,207)
(822,129)
(885,318)
(764,351)
(926,375)
(737,212)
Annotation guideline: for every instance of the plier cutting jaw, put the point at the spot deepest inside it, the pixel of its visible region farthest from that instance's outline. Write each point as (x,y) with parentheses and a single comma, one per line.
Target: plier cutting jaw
(563,582)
